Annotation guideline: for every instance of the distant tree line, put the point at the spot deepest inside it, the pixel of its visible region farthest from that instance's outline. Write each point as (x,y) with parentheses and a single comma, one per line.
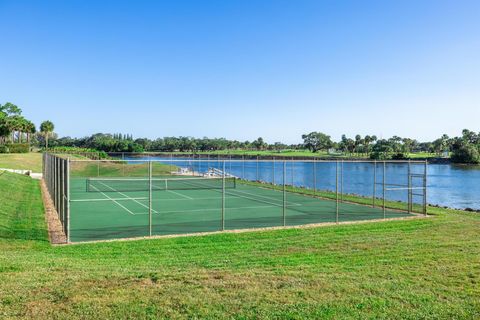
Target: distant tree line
(125,143)
(464,149)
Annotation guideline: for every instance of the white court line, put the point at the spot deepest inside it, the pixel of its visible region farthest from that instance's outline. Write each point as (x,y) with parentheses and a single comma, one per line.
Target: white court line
(233,194)
(182,195)
(212,209)
(114,201)
(217,209)
(298,204)
(260,200)
(123,194)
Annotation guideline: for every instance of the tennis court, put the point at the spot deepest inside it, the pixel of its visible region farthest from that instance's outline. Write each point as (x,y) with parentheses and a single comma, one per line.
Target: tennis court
(115,199)
(119,208)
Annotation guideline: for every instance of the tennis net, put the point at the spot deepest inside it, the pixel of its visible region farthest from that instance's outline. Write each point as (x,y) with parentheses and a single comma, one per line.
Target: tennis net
(142,184)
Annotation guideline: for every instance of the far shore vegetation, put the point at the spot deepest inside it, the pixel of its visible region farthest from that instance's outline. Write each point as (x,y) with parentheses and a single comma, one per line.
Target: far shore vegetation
(17,135)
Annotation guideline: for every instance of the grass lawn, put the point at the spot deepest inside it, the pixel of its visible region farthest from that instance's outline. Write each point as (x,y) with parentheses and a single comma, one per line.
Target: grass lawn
(425,268)
(22,161)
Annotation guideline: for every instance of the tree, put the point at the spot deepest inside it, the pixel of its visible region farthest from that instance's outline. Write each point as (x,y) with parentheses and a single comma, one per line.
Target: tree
(466,153)
(382,150)
(46,128)
(316,141)
(29,130)
(4,129)
(358,142)
(259,144)
(11,122)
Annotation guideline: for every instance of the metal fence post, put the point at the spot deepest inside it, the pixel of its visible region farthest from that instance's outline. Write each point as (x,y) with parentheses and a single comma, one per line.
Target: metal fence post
(409,190)
(341,182)
(55,191)
(336,191)
(284,207)
(374,182)
(293,171)
(314,176)
(62,194)
(425,188)
(257,170)
(273,172)
(243,167)
(68,200)
(384,182)
(123,164)
(150,198)
(223,197)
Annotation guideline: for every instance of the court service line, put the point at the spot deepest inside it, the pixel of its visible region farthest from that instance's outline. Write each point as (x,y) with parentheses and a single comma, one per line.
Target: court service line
(114,201)
(260,200)
(256,199)
(182,195)
(218,209)
(123,194)
(298,204)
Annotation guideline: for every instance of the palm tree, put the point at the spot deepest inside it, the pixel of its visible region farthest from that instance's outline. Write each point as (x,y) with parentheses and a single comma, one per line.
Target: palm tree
(30,129)
(14,124)
(358,142)
(46,127)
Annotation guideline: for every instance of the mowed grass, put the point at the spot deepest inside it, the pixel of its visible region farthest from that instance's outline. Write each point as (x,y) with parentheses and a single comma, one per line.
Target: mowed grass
(22,161)
(118,169)
(424,268)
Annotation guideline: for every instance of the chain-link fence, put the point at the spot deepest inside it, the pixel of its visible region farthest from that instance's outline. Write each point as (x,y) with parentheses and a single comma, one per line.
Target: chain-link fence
(56,176)
(143,195)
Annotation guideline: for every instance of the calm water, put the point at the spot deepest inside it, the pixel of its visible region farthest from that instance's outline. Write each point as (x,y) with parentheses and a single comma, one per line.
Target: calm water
(448,185)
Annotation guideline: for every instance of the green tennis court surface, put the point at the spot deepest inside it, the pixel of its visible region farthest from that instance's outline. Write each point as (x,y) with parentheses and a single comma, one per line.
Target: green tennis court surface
(108,213)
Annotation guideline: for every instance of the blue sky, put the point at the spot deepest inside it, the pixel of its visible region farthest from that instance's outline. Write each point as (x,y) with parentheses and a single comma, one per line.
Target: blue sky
(243,69)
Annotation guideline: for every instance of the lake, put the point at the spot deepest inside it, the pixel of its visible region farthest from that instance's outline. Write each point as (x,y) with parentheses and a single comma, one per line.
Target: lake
(455,186)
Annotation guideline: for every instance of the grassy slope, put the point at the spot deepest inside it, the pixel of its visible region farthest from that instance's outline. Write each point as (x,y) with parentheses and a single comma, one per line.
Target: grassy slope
(428,268)
(21,208)
(22,161)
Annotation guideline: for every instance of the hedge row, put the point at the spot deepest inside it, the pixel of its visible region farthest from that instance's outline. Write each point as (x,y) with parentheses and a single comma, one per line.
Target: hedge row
(15,148)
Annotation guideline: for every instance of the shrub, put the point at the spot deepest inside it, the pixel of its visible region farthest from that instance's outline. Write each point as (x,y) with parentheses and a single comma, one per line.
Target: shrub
(3,148)
(379,156)
(399,156)
(467,153)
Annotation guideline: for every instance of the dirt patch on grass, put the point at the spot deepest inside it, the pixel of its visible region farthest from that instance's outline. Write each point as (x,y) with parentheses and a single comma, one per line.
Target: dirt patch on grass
(56,235)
